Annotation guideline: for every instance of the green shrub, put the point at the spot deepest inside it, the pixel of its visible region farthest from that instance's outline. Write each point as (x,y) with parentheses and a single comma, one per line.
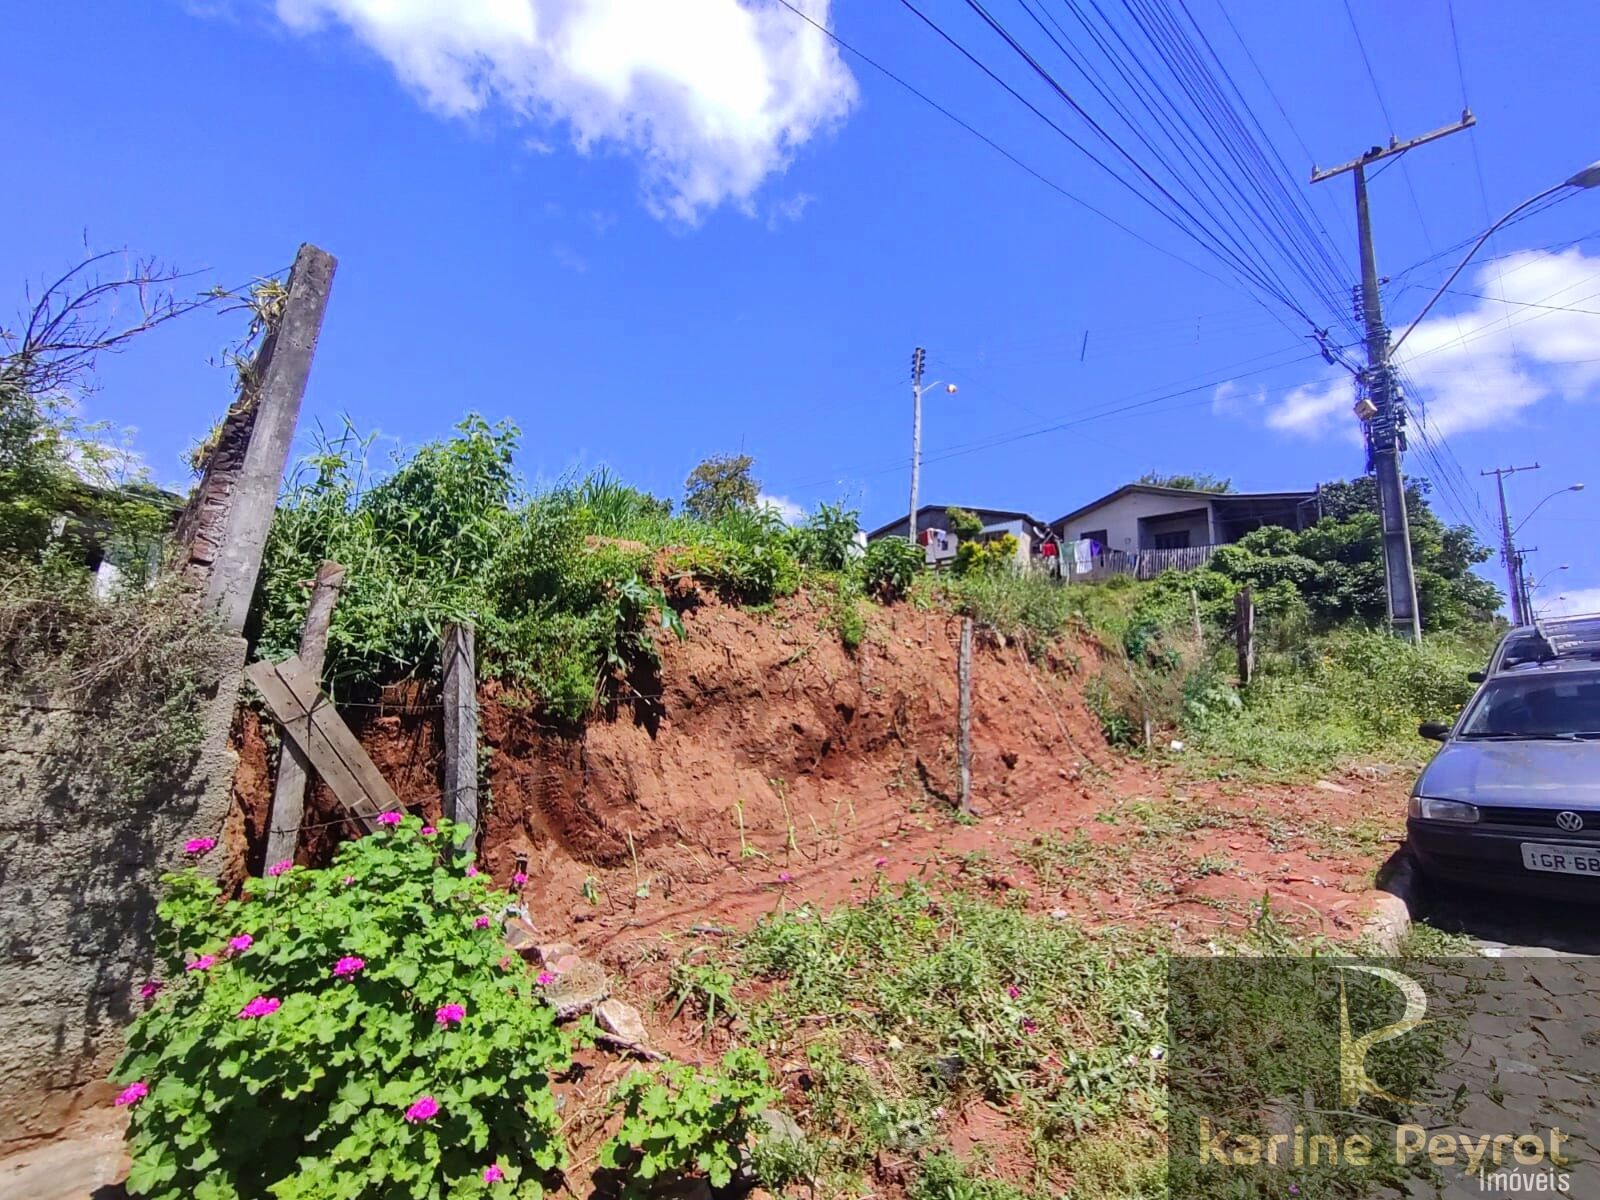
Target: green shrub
(1025,605)
(356,1031)
(678,1121)
(985,558)
(964,523)
(556,586)
(827,538)
(891,565)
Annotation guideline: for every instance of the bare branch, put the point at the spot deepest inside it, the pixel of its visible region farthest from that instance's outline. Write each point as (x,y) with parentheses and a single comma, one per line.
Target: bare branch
(85,313)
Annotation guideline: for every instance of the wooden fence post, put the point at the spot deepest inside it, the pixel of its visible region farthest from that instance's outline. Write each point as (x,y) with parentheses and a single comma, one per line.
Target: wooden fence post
(233,507)
(1199,629)
(289,795)
(964,717)
(1244,633)
(461,732)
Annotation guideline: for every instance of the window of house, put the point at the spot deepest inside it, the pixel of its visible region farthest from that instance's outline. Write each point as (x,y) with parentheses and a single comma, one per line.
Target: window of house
(1175,539)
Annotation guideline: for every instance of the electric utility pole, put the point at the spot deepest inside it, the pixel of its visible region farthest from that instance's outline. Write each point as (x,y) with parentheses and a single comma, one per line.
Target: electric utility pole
(1508,552)
(919,358)
(1385,425)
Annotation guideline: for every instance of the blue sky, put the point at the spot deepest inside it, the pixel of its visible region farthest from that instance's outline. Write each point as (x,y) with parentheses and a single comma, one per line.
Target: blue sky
(662,231)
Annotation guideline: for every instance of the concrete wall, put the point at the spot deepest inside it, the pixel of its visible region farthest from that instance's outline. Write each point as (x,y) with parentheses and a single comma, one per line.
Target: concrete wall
(1120,519)
(78,889)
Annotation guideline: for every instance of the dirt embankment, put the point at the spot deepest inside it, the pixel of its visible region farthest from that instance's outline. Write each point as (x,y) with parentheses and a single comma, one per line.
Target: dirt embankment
(767,762)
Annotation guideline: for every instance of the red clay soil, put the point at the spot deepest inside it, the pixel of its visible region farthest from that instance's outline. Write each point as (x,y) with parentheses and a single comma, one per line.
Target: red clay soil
(769,765)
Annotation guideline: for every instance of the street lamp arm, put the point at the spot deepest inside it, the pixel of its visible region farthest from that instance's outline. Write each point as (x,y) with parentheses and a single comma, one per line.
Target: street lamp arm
(1476,246)
(1542,503)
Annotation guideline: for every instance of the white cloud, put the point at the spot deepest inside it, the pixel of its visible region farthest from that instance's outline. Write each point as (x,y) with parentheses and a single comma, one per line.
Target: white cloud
(790,210)
(1483,367)
(1314,409)
(1573,600)
(569,258)
(713,96)
(1232,400)
(1477,368)
(791,512)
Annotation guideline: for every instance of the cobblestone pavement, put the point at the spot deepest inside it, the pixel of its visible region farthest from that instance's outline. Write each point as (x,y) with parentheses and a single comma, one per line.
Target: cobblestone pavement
(1529,1058)
(1525,1064)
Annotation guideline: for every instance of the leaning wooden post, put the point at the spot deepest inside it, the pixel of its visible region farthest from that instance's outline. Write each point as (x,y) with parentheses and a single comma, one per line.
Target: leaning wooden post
(964,718)
(1244,634)
(1199,629)
(280,371)
(461,732)
(289,795)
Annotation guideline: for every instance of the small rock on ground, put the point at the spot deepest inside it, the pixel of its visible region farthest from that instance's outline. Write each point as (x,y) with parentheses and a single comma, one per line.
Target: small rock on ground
(621,1021)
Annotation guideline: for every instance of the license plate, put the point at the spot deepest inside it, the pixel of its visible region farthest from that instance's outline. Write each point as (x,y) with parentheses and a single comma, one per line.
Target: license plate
(1564,860)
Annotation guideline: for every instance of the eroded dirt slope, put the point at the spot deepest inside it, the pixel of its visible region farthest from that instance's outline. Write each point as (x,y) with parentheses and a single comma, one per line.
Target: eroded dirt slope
(768,764)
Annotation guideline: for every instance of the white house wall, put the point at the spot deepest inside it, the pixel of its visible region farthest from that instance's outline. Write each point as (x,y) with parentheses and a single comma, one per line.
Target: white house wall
(1120,519)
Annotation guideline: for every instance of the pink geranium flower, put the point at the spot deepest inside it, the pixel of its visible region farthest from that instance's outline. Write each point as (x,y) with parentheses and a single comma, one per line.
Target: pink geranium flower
(132,1094)
(425,1108)
(481,923)
(545,979)
(261,1006)
(471,870)
(348,965)
(204,963)
(149,988)
(195,847)
(280,868)
(241,943)
(493,1174)
(520,878)
(389,818)
(428,831)
(450,1014)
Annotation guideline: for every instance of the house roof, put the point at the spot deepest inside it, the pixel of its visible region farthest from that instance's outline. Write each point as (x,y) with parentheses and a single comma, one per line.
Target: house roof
(1195,493)
(1003,514)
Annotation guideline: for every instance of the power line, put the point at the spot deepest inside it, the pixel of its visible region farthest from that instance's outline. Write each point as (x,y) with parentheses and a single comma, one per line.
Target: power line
(1131,403)
(990,142)
(1477,159)
(1187,222)
(1383,107)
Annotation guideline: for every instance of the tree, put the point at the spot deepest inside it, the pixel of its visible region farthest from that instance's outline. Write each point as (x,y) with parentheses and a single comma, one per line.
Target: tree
(964,523)
(1336,566)
(1202,481)
(51,462)
(720,485)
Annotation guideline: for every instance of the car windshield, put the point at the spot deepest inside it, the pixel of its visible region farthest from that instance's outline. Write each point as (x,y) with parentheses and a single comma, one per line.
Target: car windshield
(1548,706)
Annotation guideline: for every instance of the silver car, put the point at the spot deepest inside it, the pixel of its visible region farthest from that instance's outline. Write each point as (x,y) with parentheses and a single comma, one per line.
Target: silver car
(1512,799)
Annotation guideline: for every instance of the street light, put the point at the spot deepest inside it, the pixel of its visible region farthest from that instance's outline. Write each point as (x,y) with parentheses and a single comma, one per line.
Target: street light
(1587,178)
(1547,575)
(1573,487)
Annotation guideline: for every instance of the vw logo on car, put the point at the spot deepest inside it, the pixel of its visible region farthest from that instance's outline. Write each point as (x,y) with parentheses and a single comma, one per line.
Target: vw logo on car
(1570,821)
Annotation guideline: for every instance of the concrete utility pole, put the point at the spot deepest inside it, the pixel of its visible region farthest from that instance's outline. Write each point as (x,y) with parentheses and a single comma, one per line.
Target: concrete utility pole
(1508,552)
(919,358)
(1385,437)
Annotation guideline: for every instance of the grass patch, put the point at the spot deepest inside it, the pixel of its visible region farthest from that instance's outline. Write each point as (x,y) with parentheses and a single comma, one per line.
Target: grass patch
(909,1007)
